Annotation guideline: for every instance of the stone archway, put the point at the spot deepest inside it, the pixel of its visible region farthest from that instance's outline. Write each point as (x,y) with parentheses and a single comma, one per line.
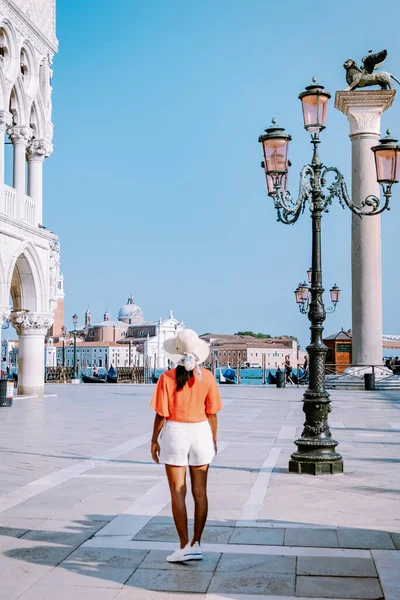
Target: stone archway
(31,325)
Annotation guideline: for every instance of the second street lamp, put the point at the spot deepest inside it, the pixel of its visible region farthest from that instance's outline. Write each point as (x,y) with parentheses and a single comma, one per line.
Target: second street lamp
(316,449)
(75,377)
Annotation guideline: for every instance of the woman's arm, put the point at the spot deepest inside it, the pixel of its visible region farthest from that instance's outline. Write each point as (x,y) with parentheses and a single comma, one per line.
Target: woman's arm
(213,420)
(155,446)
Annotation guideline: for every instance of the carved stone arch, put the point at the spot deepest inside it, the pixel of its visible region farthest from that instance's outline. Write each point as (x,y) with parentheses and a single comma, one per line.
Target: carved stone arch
(37,121)
(10,60)
(27,280)
(18,105)
(29,68)
(3,92)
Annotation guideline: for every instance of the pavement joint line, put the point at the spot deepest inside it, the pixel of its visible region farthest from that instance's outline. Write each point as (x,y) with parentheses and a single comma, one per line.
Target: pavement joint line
(147,506)
(48,482)
(256,497)
(287,432)
(125,542)
(256,597)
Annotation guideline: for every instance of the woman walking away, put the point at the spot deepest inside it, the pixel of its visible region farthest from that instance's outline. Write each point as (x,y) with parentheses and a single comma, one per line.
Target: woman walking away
(186,401)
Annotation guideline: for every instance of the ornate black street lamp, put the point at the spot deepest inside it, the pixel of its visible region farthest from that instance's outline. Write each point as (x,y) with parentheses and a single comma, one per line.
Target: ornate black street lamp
(303,296)
(74,333)
(316,450)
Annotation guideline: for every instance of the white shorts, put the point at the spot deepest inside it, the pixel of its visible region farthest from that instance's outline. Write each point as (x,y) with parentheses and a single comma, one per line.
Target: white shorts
(184,444)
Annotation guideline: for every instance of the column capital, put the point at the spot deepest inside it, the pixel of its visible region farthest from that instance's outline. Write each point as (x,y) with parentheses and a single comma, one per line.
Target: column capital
(38,150)
(364,109)
(27,324)
(6,120)
(20,134)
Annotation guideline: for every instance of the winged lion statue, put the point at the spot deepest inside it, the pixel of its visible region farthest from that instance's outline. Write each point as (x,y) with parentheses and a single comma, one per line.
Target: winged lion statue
(365,76)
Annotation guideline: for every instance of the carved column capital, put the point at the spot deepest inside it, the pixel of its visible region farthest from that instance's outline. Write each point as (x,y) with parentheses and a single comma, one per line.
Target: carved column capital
(364,109)
(31,323)
(5,120)
(38,150)
(20,134)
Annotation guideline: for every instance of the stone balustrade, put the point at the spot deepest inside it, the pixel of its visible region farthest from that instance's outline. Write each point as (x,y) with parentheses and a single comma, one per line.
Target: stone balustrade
(11,208)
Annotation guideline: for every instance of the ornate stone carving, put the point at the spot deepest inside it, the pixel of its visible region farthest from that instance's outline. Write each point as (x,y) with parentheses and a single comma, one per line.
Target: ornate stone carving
(31,323)
(20,134)
(5,120)
(364,109)
(54,272)
(42,43)
(38,150)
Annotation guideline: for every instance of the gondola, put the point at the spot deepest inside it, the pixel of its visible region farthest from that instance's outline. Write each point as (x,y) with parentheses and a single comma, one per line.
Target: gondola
(90,379)
(111,375)
(271,379)
(229,377)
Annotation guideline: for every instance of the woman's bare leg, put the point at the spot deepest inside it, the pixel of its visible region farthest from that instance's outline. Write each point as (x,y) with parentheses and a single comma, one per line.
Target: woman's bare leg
(177,485)
(198,476)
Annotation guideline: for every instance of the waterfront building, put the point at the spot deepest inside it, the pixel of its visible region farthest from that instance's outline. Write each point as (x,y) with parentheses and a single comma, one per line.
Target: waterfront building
(148,338)
(99,354)
(249,351)
(29,252)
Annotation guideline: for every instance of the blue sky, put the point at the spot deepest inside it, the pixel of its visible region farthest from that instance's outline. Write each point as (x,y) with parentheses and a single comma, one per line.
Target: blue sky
(155,185)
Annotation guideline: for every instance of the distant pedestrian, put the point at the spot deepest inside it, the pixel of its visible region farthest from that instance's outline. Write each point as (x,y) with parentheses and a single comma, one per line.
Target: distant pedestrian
(305,366)
(186,401)
(288,370)
(4,368)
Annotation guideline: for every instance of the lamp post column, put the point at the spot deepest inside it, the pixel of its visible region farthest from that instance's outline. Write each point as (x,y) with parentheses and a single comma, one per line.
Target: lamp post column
(316,449)
(364,110)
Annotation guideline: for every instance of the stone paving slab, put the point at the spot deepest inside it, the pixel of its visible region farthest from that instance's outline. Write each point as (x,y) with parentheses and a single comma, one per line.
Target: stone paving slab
(253,535)
(106,557)
(321,538)
(363,538)
(251,581)
(338,567)
(170,580)
(339,587)
(236,563)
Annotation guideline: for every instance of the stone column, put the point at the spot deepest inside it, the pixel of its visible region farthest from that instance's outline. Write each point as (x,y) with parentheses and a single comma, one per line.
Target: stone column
(20,135)
(364,110)
(36,152)
(5,122)
(31,329)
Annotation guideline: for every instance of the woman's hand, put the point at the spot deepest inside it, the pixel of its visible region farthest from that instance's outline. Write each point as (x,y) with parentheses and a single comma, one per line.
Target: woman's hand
(155,451)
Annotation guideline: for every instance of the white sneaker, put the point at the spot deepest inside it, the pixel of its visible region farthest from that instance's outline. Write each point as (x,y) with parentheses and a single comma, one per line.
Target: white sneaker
(194,552)
(180,555)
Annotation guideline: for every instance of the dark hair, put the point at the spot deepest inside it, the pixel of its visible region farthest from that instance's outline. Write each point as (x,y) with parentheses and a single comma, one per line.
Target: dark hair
(182,377)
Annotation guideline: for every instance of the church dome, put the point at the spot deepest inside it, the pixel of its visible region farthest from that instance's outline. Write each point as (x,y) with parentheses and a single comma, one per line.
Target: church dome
(131,313)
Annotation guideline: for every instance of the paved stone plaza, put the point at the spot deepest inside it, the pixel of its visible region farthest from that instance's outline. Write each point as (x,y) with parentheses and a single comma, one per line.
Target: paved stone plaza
(85,514)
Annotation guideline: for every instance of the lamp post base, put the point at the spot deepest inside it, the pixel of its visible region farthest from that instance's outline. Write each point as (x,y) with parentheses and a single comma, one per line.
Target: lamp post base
(316,457)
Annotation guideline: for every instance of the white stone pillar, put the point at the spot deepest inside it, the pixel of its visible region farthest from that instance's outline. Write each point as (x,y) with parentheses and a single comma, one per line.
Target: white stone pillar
(5,122)
(31,329)
(20,136)
(364,110)
(36,152)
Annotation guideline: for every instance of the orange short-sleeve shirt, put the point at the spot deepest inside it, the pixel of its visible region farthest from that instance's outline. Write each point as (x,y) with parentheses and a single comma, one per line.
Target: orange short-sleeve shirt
(192,404)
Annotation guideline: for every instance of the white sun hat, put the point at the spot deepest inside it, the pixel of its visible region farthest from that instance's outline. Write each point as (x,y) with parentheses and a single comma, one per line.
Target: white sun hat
(186,342)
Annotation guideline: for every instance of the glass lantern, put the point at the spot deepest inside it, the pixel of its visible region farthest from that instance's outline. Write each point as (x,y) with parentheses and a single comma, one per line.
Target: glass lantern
(275,143)
(314,101)
(335,294)
(387,161)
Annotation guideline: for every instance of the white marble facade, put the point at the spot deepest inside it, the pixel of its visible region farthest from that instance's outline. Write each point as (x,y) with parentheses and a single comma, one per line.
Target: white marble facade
(29,254)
